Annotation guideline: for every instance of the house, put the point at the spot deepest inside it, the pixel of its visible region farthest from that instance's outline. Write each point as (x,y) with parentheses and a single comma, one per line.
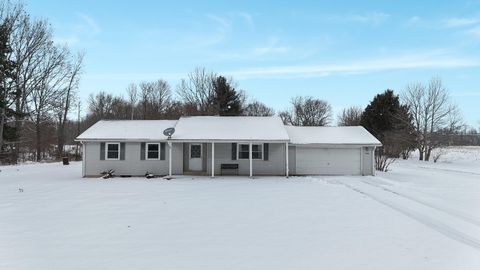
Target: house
(218,145)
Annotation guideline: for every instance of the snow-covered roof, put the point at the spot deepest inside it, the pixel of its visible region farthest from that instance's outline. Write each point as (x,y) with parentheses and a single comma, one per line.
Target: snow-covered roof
(226,128)
(230,128)
(127,130)
(356,135)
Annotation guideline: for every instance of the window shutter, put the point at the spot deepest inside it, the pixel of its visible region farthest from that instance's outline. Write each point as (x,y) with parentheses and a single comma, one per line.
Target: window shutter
(122,151)
(162,151)
(234,151)
(102,151)
(265,151)
(142,151)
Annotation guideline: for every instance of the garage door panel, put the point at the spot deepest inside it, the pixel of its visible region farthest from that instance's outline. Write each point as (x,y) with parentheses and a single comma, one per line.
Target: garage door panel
(330,161)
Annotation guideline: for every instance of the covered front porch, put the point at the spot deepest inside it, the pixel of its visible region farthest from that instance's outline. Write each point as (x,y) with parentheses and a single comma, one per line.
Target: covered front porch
(247,158)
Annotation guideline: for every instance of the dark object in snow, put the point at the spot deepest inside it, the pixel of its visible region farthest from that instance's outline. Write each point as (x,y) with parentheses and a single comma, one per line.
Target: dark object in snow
(168,177)
(149,175)
(65,161)
(20,189)
(108,174)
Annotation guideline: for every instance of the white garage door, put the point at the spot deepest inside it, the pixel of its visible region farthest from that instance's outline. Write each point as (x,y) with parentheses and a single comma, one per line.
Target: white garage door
(313,160)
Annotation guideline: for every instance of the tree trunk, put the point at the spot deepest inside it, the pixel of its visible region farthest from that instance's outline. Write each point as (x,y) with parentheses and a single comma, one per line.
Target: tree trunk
(38,140)
(420,151)
(2,123)
(427,155)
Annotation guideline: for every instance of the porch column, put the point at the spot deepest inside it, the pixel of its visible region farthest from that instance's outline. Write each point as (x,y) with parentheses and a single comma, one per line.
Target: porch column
(213,159)
(169,158)
(286,160)
(250,158)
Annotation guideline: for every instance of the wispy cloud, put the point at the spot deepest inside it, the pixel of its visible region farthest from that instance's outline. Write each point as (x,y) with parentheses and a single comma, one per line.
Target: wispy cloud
(413,20)
(434,60)
(475,31)
(85,28)
(221,28)
(272,47)
(456,22)
(89,23)
(248,19)
(374,17)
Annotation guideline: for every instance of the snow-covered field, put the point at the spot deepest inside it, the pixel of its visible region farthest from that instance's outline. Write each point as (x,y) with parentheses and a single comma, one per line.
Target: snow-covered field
(417,216)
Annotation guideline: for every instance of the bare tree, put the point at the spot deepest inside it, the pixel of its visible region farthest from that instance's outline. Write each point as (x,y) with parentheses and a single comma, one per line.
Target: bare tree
(132,92)
(100,106)
(307,111)
(432,111)
(66,96)
(29,40)
(161,97)
(256,108)
(50,84)
(350,116)
(197,90)
(155,98)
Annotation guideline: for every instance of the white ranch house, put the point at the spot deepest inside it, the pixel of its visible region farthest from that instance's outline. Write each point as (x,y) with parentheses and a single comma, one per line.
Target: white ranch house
(219,145)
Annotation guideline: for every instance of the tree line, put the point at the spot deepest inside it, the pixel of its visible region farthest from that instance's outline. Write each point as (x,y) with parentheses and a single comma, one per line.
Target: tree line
(40,111)
(38,85)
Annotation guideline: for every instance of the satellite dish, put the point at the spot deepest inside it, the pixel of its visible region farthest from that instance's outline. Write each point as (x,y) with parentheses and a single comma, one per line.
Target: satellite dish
(169,132)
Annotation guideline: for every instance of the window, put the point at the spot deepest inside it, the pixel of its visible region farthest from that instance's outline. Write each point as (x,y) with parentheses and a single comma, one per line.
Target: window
(113,151)
(257,151)
(153,151)
(195,151)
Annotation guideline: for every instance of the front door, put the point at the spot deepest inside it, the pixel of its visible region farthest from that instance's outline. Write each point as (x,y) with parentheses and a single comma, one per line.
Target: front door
(195,161)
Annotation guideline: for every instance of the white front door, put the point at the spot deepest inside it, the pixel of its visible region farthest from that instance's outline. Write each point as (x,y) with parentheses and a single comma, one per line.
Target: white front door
(195,161)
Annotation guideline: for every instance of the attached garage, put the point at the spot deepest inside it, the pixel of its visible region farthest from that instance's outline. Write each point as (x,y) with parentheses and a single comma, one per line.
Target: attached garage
(330,161)
(332,150)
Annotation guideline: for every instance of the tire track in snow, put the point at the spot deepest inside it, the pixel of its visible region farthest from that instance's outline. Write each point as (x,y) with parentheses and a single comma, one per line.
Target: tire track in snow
(445,210)
(448,170)
(432,223)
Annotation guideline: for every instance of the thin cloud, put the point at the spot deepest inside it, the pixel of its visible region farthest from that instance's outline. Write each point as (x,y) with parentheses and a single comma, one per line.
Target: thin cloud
(466,94)
(90,23)
(86,28)
(475,31)
(415,61)
(248,19)
(413,20)
(457,22)
(371,17)
(272,47)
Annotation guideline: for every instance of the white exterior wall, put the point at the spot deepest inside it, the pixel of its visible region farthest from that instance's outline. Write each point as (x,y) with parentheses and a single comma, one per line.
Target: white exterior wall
(275,165)
(132,165)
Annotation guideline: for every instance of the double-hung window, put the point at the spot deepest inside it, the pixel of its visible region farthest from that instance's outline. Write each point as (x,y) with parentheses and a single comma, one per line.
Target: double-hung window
(113,151)
(153,151)
(257,151)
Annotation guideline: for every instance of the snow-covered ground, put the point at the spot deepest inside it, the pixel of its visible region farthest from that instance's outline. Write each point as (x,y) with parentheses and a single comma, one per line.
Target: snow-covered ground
(417,216)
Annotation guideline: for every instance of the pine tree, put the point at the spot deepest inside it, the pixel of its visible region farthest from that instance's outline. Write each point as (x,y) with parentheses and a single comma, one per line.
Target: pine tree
(6,92)
(391,123)
(226,100)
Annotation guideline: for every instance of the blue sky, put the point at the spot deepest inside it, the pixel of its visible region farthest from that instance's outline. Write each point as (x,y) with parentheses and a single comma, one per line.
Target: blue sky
(342,51)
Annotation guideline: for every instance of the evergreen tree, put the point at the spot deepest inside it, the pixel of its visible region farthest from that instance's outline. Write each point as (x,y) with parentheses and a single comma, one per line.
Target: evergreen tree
(226,100)
(6,92)
(391,123)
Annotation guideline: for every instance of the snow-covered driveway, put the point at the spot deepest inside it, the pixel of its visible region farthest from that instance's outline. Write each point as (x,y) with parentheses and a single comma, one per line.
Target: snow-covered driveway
(410,218)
